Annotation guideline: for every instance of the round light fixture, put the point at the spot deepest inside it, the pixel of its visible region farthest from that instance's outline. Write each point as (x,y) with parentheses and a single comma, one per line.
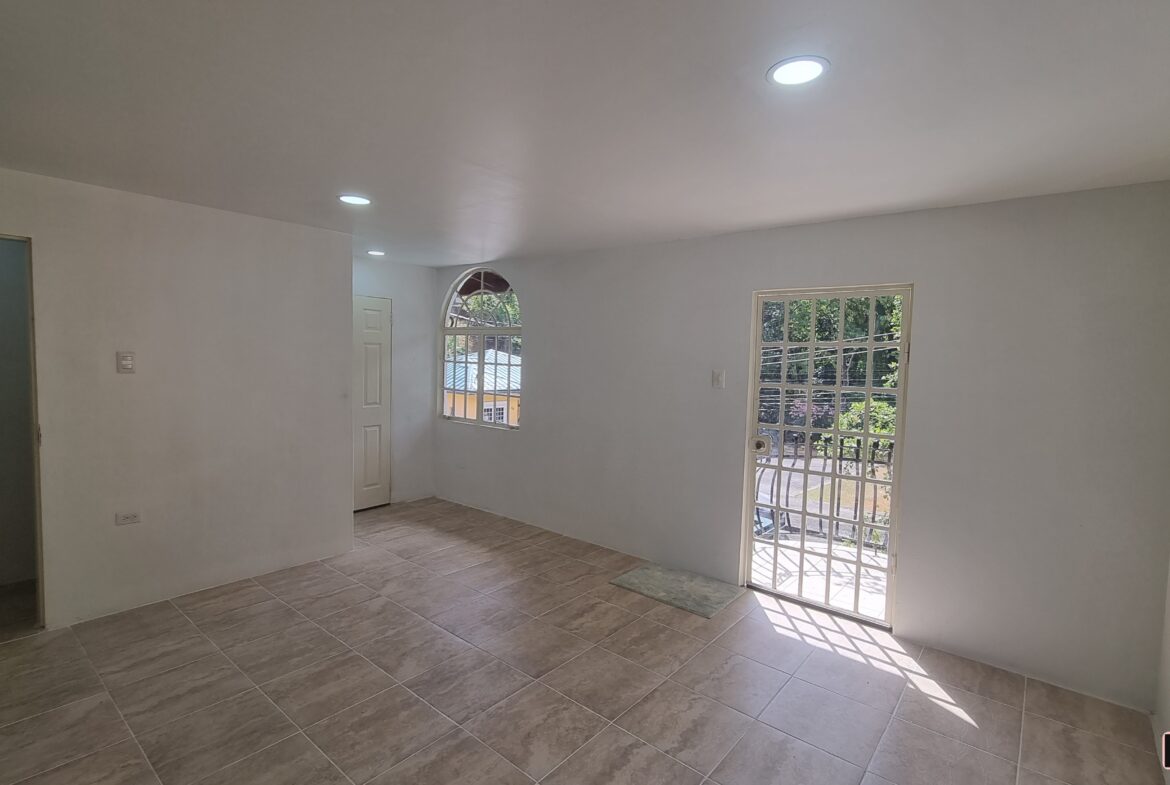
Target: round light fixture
(354,199)
(797,70)
(376,253)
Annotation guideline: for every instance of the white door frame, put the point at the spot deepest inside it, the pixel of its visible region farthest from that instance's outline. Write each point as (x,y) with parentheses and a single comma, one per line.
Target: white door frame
(363,306)
(754,383)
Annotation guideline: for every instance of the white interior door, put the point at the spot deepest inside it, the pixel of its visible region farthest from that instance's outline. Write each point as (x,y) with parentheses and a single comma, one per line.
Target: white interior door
(371,402)
(829,401)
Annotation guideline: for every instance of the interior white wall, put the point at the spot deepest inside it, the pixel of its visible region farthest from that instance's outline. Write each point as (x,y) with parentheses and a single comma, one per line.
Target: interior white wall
(232,440)
(411,290)
(1033,532)
(1161,719)
(18,544)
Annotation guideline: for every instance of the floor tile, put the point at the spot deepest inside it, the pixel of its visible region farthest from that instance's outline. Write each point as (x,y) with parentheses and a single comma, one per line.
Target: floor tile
(614,757)
(468,684)
(624,598)
(315,589)
(910,755)
(370,737)
(118,631)
(489,576)
(1118,723)
(579,575)
(765,756)
(872,779)
(826,720)
(202,606)
(282,653)
(685,725)
(362,559)
(141,658)
(1029,778)
(732,679)
(972,719)
(603,682)
(875,684)
(693,624)
(331,600)
(536,729)
(609,559)
(589,618)
(294,761)
(194,746)
(412,649)
(46,740)
(38,651)
(972,676)
(34,690)
(249,623)
(535,560)
(535,647)
(534,595)
(653,646)
(431,596)
(454,558)
(384,577)
(480,619)
(367,620)
(456,759)
(120,764)
(315,692)
(762,642)
(1078,757)
(157,700)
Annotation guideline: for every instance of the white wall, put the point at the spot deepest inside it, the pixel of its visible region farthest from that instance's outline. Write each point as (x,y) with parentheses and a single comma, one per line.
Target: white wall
(1161,719)
(18,544)
(411,290)
(1033,531)
(233,438)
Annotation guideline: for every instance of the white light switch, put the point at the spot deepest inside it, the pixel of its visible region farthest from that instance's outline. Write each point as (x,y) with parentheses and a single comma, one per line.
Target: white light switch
(719,379)
(125,362)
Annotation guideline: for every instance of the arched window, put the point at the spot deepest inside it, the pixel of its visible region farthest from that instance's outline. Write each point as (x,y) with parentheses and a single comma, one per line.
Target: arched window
(482,352)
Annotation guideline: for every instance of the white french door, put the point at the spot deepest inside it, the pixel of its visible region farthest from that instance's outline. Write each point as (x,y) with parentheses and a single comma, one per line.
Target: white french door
(829,376)
(371,402)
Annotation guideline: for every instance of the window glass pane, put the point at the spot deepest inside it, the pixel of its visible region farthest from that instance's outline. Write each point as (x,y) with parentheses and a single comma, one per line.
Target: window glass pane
(771,456)
(873,593)
(764,525)
(852,416)
(794,449)
(772,328)
(769,411)
(798,365)
(788,528)
(842,584)
(883,412)
(821,452)
(847,503)
(799,320)
(789,490)
(856,319)
(825,366)
(828,320)
(844,540)
(849,455)
(880,460)
(795,407)
(814,572)
(875,547)
(854,362)
(771,364)
(875,507)
(787,570)
(765,485)
(888,318)
(885,367)
(818,495)
(824,408)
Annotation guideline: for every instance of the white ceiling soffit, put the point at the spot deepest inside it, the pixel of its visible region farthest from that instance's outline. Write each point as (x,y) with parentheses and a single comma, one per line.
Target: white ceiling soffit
(485,129)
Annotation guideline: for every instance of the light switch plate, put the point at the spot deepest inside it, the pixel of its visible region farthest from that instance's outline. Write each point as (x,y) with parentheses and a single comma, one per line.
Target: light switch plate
(126,518)
(719,379)
(125,362)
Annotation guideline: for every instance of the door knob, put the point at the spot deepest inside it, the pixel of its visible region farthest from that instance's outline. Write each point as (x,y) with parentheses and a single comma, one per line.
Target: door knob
(761,444)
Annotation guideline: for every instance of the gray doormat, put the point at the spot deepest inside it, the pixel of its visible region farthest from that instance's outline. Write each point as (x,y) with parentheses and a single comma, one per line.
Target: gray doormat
(687,590)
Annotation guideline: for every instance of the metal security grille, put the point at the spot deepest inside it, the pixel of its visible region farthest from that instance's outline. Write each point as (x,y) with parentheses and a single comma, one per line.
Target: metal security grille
(829,382)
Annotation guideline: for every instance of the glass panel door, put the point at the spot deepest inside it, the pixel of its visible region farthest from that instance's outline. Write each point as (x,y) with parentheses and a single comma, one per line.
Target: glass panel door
(829,381)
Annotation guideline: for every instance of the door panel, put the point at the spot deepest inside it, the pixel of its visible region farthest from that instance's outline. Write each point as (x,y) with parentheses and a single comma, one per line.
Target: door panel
(829,382)
(371,397)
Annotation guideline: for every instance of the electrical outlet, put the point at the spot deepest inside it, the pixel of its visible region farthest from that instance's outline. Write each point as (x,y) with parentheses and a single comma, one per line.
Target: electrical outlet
(126,518)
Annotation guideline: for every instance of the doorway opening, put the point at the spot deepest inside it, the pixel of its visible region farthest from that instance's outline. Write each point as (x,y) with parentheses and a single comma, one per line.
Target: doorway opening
(829,375)
(20,590)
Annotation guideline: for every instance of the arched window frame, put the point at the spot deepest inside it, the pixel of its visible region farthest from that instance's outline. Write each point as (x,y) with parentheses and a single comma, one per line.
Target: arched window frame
(451,336)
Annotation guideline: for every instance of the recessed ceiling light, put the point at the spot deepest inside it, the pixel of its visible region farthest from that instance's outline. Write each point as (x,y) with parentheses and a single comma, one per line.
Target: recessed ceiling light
(376,253)
(798,70)
(354,199)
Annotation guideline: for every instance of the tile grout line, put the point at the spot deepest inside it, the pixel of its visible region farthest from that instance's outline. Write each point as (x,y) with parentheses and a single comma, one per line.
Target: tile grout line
(256,686)
(121,716)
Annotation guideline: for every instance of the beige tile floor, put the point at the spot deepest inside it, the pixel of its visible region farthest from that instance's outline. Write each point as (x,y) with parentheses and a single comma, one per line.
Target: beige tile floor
(453,646)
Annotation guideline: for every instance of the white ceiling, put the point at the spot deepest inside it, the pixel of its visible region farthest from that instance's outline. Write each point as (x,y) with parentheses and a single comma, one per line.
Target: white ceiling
(485,129)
